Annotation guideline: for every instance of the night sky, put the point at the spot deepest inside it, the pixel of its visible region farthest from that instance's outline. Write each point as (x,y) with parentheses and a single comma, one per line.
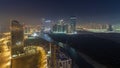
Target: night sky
(31,11)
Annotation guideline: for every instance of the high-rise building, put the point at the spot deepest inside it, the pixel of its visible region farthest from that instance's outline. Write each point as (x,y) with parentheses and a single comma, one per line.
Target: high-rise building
(17,33)
(29,29)
(60,27)
(93,27)
(110,28)
(73,24)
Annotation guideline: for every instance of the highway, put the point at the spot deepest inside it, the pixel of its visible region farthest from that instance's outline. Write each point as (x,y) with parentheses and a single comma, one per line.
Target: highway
(5,53)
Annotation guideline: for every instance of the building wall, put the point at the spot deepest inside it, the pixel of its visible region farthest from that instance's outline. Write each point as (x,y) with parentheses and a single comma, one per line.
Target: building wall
(65,63)
(28,29)
(60,28)
(93,27)
(73,24)
(17,33)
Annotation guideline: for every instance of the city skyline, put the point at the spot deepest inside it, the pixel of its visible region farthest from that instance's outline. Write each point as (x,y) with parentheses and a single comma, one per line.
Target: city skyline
(86,11)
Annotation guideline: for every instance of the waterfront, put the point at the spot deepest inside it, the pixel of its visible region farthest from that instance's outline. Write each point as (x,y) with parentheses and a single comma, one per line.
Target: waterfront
(97,46)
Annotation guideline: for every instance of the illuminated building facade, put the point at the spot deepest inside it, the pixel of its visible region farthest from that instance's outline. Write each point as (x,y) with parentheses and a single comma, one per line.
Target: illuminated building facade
(110,28)
(72,24)
(93,27)
(59,59)
(64,62)
(17,33)
(46,25)
(28,29)
(116,27)
(60,27)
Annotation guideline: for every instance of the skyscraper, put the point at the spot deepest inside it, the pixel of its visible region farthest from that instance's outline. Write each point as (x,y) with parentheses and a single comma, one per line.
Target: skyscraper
(60,27)
(110,27)
(73,24)
(17,33)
